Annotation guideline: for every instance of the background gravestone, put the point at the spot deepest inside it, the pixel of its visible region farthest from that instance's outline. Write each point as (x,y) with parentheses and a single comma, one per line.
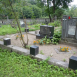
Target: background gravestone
(22,24)
(26,29)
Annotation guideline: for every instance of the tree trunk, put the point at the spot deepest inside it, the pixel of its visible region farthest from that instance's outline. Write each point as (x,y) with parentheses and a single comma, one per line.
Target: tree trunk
(50,18)
(54,8)
(17,23)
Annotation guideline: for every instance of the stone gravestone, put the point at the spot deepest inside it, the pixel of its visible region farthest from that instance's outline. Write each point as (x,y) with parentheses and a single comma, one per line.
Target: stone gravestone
(22,24)
(73,62)
(26,29)
(69,27)
(45,30)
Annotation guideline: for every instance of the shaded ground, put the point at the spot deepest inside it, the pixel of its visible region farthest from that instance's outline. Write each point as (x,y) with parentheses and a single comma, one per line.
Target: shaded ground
(48,50)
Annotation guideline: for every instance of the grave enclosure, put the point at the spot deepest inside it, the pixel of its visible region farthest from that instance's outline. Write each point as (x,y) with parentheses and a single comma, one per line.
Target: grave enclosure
(69,29)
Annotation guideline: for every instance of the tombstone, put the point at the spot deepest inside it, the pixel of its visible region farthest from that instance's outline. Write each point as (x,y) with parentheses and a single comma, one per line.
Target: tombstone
(26,29)
(45,30)
(46,22)
(69,28)
(34,50)
(22,24)
(13,24)
(7,41)
(73,62)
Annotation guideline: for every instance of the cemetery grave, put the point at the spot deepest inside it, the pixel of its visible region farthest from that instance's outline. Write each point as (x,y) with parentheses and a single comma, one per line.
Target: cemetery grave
(49,50)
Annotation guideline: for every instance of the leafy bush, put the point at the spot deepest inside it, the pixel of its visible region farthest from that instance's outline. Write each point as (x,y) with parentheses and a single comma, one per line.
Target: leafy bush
(56,23)
(56,36)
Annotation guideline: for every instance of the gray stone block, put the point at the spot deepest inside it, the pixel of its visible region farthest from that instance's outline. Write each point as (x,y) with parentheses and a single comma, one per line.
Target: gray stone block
(7,41)
(20,50)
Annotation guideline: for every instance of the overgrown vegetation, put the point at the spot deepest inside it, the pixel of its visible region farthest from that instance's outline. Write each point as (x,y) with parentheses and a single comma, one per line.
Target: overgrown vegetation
(15,65)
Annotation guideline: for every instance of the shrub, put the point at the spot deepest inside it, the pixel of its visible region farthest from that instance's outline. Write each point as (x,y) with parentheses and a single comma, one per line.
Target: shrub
(56,23)
(56,37)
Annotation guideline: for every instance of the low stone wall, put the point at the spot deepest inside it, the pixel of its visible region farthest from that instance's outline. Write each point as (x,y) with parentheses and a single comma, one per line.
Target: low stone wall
(31,21)
(39,57)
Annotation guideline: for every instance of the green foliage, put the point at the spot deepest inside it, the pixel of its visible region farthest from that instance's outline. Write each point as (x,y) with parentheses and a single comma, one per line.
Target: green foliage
(15,65)
(41,52)
(56,23)
(28,46)
(34,27)
(57,36)
(59,12)
(7,29)
(37,12)
(71,11)
(27,12)
(45,41)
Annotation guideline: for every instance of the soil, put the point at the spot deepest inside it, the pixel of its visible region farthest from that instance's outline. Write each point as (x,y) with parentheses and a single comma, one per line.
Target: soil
(48,50)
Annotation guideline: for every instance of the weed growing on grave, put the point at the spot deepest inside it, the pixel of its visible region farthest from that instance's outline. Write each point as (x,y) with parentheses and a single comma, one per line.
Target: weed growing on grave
(64,60)
(64,49)
(28,46)
(74,52)
(15,65)
(41,52)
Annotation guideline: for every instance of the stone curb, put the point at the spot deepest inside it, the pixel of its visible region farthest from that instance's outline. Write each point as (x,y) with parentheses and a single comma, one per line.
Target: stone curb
(39,57)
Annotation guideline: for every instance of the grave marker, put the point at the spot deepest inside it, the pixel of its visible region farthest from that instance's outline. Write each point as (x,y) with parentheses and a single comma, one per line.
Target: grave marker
(45,30)
(73,62)
(69,27)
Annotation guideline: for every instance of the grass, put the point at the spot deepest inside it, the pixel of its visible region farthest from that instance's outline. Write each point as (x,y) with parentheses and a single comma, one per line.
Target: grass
(15,65)
(7,29)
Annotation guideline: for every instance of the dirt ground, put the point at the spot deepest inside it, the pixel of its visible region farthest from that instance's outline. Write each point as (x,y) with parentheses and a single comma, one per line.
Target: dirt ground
(48,50)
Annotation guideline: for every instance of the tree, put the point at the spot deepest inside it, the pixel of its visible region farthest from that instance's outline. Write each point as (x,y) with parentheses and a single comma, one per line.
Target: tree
(53,5)
(37,12)
(71,11)
(8,3)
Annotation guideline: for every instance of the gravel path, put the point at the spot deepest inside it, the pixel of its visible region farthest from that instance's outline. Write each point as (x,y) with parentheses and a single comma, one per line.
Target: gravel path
(48,50)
